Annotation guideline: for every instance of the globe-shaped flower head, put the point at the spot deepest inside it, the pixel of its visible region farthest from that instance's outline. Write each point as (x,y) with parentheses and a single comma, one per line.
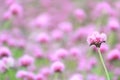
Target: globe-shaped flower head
(96,39)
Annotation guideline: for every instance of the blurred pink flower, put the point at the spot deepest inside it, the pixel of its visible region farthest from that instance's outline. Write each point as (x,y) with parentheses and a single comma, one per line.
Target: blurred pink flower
(46,72)
(7,15)
(4,52)
(75,52)
(42,21)
(76,76)
(21,74)
(37,52)
(26,60)
(16,9)
(57,35)
(80,14)
(61,53)
(113,55)
(65,27)
(57,66)
(113,24)
(40,77)
(43,38)
(30,76)
(102,8)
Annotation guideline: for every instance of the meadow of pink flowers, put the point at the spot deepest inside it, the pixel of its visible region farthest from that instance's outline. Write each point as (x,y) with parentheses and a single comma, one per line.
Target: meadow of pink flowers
(59,39)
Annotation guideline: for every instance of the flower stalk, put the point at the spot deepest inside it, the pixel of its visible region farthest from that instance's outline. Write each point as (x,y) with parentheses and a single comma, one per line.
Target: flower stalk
(102,61)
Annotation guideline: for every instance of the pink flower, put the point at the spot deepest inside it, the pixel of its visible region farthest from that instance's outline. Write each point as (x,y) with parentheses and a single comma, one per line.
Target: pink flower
(45,71)
(16,9)
(80,14)
(26,60)
(7,15)
(113,24)
(76,77)
(37,52)
(43,38)
(113,55)
(4,37)
(57,66)
(11,42)
(4,52)
(61,53)
(75,52)
(57,35)
(65,27)
(39,77)
(42,21)
(96,39)
(30,76)
(25,75)
(102,8)
(21,74)
(53,57)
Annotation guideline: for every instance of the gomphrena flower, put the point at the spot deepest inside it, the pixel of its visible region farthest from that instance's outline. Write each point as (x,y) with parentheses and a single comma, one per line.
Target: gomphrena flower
(76,76)
(4,52)
(45,72)
(96,39)
(113,24)
(39,77)
(26,60)
(114,55)
(16,9)
(21,74)
(57,66)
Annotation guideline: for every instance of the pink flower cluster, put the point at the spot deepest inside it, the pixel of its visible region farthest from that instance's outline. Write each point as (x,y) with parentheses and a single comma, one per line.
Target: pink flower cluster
(96,39)
(46,39)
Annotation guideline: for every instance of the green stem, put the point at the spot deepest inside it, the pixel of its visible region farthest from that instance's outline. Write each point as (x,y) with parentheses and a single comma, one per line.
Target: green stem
(55,76)
(1,76)
(58,76)
(102,61)
(9,74)
(61,76)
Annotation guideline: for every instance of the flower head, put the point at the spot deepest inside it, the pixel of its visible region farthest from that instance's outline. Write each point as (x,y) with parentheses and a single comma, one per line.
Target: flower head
(114,55)
(57,66)
(96,39)
(76,77)
(4,52)
(26,60)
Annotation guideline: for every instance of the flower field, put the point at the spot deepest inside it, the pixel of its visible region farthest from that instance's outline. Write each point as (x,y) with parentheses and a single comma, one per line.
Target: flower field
(59,39)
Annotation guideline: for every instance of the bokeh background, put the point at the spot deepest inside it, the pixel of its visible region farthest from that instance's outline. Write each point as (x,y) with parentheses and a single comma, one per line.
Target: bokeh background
(47,39)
